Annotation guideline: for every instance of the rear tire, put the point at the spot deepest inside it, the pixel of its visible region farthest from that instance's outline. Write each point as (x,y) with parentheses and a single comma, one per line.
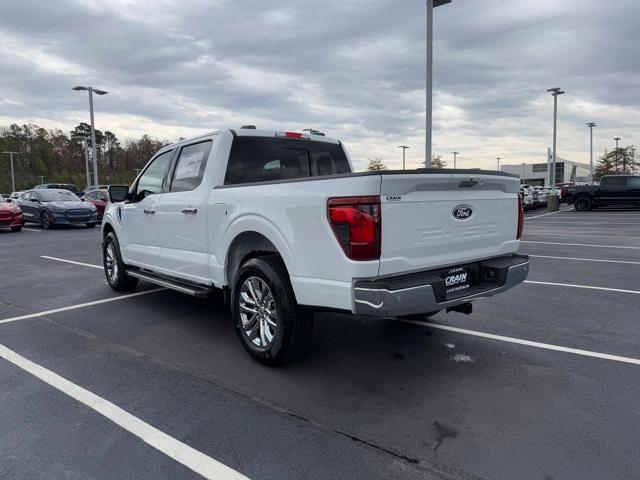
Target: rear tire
(91,225)
(583,204)
(269,322)
(114,267)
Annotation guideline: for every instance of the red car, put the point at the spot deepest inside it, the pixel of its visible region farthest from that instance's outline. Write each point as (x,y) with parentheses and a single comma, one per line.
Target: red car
(99,198)
(10,216)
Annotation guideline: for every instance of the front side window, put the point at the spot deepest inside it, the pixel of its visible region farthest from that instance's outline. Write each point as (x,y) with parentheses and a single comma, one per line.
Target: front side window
(152,179)
(190,167)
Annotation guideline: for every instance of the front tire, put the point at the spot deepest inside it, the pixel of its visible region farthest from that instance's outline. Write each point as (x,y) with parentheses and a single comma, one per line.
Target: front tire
(270,324)
(114,267)
(46,220)
(583,204)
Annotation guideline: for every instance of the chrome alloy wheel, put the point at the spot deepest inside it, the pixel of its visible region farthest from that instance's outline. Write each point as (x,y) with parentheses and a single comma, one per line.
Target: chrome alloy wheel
(258,312)
(111,263)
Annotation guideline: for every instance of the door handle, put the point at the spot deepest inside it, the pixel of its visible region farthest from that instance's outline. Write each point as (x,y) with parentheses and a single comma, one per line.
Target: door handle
(189,211)
(149,211)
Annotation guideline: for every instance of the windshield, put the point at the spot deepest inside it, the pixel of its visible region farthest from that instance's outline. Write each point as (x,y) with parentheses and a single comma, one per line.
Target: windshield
(57,196)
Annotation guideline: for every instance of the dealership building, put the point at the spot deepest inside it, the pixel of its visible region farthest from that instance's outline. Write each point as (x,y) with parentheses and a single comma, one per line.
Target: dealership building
(538,173)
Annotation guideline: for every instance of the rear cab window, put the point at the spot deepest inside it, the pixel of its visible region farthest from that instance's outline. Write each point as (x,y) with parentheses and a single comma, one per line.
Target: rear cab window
(608,182)
(265,159)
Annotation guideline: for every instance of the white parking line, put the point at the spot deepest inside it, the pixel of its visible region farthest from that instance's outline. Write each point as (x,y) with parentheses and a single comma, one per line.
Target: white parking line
(529,343)
(100,267)
(31,229)
(564,226)
(173,448)
(581,245)
(528,232)
(588,287)
(584,259)
(546,214)
(80,305)
(562,223)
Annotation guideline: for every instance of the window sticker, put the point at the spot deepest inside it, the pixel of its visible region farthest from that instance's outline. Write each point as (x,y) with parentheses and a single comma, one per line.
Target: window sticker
(189,165)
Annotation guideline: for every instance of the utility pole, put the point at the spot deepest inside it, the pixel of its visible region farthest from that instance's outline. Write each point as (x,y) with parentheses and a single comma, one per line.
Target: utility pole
(555,92)
(91,91)
(431,4)
(13,178)
(591,125)
(404,149)
(85,144)
(498,159)
(41,179)
(455,156)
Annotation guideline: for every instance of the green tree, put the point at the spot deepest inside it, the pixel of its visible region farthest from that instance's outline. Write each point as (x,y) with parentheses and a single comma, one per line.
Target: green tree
(376,164)
(619,161)
(438,162)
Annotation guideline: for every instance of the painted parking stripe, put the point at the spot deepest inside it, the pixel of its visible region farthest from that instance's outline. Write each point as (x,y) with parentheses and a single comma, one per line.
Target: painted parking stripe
(585,259)
(581,245)
(546,214)
(80,305)
(527,232)
(173,448)
(100,267)
(31,229)
(566,227)
(562,223)
(588,287)
(529,343)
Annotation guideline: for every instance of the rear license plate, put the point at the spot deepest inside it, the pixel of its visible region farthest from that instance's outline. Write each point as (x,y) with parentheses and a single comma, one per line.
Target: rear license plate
(455,280)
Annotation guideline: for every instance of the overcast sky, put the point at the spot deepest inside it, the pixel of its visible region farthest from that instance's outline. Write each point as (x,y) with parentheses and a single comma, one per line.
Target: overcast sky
(354,69)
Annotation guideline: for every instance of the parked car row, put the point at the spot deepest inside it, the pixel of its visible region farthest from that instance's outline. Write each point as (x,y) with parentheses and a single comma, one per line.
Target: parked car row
(536,196)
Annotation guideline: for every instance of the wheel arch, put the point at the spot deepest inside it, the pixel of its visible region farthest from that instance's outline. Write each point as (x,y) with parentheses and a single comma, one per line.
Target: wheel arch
(246,245)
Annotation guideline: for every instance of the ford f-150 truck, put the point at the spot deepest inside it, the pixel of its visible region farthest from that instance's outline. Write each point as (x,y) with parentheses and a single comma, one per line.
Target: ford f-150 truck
(612,190)
(279,222)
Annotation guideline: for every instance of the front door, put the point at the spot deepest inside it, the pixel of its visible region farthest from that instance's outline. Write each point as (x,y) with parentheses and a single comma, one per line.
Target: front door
(140,245)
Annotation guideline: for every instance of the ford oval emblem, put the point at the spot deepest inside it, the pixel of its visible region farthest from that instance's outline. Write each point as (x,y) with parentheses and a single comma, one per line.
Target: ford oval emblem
(462,212)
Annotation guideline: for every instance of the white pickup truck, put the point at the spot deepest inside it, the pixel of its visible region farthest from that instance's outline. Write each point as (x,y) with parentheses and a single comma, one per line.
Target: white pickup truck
(279,222)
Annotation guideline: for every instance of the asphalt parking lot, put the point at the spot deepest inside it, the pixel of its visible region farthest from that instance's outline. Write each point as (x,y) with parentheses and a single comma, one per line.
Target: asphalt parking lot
(542,382)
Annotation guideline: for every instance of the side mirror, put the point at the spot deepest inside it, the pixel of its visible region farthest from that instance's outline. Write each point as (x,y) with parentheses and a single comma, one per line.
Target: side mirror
(118,193)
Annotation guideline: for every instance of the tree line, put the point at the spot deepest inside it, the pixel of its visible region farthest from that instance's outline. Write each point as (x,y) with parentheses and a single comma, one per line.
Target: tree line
(58,157)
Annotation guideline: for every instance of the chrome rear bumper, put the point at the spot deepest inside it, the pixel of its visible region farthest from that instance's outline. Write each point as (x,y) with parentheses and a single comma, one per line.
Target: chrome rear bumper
(424,292)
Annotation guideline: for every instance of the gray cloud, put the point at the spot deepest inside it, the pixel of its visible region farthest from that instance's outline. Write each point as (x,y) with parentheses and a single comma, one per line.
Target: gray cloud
(354,69)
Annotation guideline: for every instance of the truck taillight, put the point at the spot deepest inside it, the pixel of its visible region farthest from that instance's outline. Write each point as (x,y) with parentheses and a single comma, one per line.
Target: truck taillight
(357,224)
(520,218)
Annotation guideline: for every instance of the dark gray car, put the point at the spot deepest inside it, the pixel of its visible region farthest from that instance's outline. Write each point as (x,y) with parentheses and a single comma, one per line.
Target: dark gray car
(56,207)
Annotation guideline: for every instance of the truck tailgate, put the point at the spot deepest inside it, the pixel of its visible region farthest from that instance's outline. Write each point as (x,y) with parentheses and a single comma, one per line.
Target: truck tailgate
(445,219)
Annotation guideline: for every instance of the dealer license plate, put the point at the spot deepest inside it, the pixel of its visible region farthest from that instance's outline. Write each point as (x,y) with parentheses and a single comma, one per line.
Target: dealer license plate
(456,280)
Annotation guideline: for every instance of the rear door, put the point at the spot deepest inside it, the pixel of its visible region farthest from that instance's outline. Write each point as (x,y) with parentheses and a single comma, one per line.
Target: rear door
(182,219)
(440,219)
(633,189)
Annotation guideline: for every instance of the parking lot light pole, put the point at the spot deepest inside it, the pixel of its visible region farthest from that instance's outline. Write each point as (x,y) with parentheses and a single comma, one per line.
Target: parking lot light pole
(91,91)
(555,92)
(85,145)
(523,165)
(13,178)
(404,149)
(591,125)
(455,156)
(498,159)
(431,4)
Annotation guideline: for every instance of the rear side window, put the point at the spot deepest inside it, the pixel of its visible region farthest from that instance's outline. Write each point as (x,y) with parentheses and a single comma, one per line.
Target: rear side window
(633,182)
(613,182)
(190,167)
(264,159)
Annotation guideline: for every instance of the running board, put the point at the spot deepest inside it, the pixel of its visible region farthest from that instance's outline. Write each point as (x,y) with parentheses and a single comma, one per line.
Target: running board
(189,289)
